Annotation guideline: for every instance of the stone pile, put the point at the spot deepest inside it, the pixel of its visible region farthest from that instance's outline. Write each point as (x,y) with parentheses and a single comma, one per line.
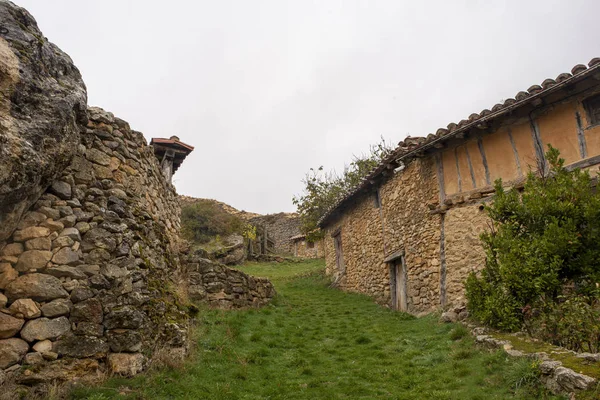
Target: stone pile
(86,274)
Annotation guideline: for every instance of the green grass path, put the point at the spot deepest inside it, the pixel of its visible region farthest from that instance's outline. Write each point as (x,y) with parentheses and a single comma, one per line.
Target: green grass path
(315,342)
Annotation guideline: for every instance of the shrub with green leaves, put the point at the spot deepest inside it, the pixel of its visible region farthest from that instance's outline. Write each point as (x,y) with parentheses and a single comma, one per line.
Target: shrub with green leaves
(540,240)
(206,219)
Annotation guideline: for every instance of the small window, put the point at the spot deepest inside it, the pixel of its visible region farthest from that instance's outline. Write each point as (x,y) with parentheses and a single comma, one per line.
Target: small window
(592,107)
(311,245)
(376,199)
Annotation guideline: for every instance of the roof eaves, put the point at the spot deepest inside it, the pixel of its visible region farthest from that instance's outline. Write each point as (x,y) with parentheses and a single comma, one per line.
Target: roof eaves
(419,144)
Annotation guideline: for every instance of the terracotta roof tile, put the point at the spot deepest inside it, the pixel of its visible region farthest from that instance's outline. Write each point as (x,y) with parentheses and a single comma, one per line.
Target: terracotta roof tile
(411,145)
(578,68)
(548,83)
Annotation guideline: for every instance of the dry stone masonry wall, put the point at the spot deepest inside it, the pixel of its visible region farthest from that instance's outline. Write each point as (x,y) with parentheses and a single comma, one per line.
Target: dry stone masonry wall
(223,287)
(85,278)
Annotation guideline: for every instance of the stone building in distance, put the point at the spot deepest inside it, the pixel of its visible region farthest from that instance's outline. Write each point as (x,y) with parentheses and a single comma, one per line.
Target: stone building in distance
(304,248)
(408,235)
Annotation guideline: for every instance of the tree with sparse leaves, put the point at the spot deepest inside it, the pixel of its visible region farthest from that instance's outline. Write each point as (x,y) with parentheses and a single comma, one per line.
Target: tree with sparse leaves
(323,189)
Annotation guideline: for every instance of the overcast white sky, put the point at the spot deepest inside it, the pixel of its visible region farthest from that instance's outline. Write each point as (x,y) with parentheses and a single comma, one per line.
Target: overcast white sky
(267,89)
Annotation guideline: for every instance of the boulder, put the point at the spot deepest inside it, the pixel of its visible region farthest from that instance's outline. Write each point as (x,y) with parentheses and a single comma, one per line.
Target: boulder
(126,364)
(38,287)
(43,101)
(57,308)
(3,300)
(12,352)
(33,259)
(44,328)
(9,326)
(25,308)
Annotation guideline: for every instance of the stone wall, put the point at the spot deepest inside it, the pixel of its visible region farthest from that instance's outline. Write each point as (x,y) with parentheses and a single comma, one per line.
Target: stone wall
(86,279)
(224,287)
(432,206)
(281,228)
(306,249)
(403,222)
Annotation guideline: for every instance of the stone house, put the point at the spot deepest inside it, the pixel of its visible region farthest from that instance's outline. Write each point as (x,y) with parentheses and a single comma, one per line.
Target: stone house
(306,248)
(408,235)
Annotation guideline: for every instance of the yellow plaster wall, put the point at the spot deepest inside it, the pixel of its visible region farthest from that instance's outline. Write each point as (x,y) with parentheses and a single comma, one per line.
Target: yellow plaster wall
(558,127)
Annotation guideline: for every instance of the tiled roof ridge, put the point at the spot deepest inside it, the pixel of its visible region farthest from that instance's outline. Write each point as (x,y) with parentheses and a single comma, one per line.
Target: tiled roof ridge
(412,145)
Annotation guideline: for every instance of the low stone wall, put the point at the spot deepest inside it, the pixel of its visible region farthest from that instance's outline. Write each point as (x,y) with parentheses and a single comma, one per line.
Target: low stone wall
(86,279)
(224,287)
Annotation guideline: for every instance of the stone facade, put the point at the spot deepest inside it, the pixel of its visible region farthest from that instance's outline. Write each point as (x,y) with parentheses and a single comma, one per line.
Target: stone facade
(409,234)
(86,274)
(281,228)
(306,249)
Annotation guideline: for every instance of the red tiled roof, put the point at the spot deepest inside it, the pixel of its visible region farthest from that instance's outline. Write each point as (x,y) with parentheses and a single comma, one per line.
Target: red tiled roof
(412,145)
(171,141)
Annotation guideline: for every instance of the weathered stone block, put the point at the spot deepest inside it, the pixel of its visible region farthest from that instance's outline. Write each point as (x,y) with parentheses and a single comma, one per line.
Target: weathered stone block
(61,189)
(124,340)
(81,347)
(31,232)
(25,308)
(87,311)
(57,308)
(33,259)
(126,364)
(41,243)
(38,287)
(12,249)
(44,328)
(12,352)
(125,318)
(9,326)
(66,256)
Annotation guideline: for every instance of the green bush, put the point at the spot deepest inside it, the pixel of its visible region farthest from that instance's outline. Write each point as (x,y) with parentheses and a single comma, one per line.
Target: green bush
(206,219)
(541,240)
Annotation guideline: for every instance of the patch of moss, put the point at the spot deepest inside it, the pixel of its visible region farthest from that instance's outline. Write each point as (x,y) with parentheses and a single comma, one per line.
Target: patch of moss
(567,358)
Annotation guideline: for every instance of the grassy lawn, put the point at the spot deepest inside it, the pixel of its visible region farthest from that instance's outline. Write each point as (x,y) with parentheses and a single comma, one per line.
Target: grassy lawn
(314,342)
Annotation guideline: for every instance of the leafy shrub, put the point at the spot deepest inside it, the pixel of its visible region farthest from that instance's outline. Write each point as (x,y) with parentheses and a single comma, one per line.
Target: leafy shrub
(572,322)
(206,219)
(541,241)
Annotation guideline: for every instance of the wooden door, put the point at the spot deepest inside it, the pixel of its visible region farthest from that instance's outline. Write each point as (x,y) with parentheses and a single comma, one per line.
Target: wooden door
(339,256)
(398,284)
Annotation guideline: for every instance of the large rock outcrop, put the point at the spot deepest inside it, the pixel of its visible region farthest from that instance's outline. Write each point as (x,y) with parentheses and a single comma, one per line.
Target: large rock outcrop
(42,100)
